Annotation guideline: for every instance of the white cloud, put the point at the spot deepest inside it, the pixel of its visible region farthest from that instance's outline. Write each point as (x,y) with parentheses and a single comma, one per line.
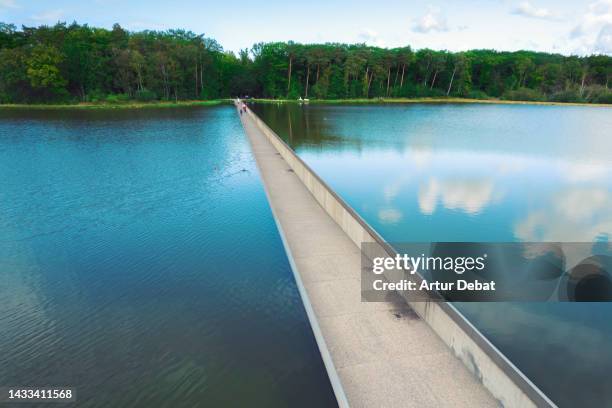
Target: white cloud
(49,16)
(432,21)
(603,43)
(8,4)
(370,37)
(526,9)
(601,8)
(593,33)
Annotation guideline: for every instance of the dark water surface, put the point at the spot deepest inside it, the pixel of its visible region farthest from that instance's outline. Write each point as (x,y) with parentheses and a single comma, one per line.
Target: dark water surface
(140,264)
(496,173)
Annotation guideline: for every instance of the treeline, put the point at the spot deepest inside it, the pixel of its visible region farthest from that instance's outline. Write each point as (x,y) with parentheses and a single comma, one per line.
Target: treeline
(78,63)
(72,63)
(336,71)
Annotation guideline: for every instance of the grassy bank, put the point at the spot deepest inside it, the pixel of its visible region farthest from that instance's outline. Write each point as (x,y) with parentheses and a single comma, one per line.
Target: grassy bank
(425,100)
(123,105)
(358,101)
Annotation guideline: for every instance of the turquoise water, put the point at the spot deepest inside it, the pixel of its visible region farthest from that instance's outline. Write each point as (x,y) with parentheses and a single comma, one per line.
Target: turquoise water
(141,265)
(498,173)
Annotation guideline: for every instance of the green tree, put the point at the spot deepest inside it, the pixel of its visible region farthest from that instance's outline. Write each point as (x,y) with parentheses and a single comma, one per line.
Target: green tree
(44,72)
(77,62)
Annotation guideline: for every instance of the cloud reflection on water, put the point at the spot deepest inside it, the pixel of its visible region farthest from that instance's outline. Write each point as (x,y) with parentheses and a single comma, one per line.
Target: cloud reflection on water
(573,214)
(469,196)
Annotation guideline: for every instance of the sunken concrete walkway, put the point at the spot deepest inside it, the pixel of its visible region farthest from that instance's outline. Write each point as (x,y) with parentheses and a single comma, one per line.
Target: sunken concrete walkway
(376,354)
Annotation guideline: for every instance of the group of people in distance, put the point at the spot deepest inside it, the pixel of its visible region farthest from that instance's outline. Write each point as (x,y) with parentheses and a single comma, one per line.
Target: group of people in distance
(242,107)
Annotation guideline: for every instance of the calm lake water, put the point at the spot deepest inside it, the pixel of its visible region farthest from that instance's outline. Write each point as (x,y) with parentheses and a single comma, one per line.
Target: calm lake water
(140,264)
(496,173)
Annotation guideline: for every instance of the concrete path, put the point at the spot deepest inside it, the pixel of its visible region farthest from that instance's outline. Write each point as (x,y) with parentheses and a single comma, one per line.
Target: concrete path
(377,354)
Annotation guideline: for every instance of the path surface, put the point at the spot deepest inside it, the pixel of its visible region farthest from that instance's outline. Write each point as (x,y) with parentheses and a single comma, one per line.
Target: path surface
(377,354)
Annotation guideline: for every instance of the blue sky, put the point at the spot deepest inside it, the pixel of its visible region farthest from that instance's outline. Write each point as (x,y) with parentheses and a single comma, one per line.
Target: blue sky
(563,26)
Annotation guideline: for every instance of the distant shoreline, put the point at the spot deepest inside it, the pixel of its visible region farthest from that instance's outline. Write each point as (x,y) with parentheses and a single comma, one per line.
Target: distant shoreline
(126,105)
(362,101)
(356,101)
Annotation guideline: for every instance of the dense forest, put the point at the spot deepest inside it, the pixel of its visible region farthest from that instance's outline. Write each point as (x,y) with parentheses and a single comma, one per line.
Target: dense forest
(77,63)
